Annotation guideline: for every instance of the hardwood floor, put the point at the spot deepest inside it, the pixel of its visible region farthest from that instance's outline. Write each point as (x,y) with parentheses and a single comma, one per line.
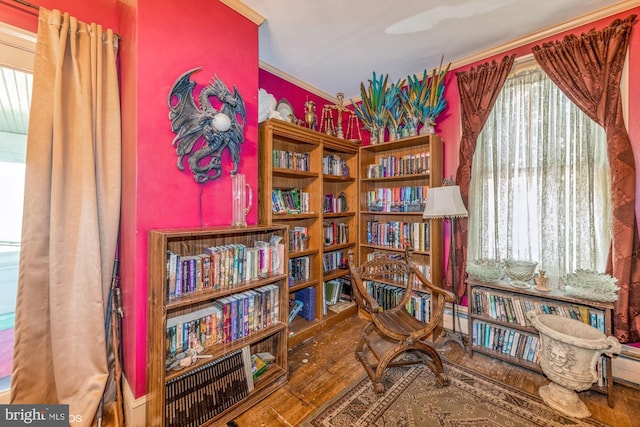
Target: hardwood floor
(324,365)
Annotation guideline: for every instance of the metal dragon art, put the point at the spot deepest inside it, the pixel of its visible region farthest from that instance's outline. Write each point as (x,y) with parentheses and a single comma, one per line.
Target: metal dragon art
(220,129)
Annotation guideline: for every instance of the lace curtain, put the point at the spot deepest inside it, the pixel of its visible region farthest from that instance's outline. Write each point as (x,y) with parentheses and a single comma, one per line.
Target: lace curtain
(540,181)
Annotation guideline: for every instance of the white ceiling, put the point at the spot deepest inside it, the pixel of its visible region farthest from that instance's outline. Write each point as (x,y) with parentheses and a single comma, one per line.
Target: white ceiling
(333,45)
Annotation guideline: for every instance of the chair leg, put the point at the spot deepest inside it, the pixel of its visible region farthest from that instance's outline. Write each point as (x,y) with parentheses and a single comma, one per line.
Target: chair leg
(435,364)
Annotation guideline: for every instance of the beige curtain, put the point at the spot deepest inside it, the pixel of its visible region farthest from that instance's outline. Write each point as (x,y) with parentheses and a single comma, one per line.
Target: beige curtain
(70,220)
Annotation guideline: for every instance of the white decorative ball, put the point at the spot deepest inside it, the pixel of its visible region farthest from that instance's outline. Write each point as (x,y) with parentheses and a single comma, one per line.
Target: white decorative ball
(221,122)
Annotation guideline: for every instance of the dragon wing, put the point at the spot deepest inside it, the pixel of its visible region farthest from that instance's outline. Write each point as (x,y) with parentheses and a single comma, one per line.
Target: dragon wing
(185,116)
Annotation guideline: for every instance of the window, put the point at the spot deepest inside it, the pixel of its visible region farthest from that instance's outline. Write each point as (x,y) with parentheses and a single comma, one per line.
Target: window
(16,54)
(540,181)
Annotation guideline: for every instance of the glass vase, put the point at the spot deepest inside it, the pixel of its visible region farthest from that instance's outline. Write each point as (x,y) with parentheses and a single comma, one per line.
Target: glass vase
(241,206)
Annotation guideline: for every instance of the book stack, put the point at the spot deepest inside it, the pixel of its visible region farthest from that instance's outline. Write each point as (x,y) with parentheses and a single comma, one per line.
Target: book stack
(511,308)
(397,234)
(308,298)
(221,267)
(290,160)
(333,164)
(227,320)
(298,269)
(397,199)
(289,201)
(409,164)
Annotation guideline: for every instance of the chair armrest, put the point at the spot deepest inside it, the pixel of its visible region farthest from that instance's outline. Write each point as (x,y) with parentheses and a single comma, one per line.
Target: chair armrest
(435,290)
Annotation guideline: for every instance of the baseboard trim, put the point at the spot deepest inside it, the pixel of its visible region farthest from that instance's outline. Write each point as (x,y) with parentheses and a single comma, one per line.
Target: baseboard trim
(134,409)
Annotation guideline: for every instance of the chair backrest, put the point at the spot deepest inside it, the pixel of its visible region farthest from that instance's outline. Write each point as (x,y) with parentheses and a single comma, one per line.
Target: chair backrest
(384,269)
(395,271)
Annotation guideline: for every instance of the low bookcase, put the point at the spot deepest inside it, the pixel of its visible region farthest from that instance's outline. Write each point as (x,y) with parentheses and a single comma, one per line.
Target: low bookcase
(224,292)
(498,326)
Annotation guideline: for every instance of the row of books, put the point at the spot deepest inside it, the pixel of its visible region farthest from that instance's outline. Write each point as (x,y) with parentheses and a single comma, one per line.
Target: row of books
(226,320)
(409,164)
(221,267)
(398,234)
(338,294)
(397,199)
(298,269)
(333,164)
(335,203)
(505,340)
(197,396)
(389,296)
(289,201)
(291,160)
(512,308)
(335,233)
(298,238)
(333,260)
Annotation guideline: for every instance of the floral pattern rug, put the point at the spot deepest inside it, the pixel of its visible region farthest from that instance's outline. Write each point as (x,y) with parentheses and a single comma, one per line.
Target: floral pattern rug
(413,398)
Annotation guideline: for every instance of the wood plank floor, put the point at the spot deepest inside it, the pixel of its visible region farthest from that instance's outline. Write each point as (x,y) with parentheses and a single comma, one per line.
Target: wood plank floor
(324,365)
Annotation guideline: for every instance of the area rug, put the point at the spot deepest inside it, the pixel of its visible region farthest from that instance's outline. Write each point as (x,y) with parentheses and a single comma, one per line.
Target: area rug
(413,398)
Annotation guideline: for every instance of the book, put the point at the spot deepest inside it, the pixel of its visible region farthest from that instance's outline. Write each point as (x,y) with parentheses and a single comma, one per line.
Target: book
(294,308)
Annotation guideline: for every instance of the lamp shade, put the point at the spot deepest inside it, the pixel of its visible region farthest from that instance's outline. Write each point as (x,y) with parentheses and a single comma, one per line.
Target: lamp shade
(444,202)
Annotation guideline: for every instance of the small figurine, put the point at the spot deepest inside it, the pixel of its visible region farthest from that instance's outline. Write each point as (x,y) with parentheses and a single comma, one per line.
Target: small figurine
(542,283)
(310,114)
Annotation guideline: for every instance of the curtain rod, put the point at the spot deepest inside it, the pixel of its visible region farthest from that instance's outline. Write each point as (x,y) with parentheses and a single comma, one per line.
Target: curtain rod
(36,7)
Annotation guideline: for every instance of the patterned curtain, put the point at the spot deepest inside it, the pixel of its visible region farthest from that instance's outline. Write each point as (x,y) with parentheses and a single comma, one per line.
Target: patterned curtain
(479,88)
(588,70)
(540,166)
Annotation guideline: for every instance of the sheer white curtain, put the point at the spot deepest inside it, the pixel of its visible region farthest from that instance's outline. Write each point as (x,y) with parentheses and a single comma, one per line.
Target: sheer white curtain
(540,181)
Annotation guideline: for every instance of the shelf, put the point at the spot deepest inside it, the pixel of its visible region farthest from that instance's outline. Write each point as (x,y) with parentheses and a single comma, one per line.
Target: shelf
(338,178)
(386,248)
(332,274)
(294,217)
(328,215)
(219,350)
(422,176)
(210,294)
(294,174)
(480,303)
(377,213)
(330,160)
(296,286)
(184,322)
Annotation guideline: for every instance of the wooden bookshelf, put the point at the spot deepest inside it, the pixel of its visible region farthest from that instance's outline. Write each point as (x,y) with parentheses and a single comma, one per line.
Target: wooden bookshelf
(483,311)
(391,169)
(330,179)
(166,308)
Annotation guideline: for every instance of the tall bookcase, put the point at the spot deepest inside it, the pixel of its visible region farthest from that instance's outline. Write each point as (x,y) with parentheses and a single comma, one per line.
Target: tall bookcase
(218,385)
(498,326)
(394,178)
(294,160)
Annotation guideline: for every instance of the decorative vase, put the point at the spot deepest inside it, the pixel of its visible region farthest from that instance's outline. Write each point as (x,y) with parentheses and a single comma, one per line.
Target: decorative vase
(240,205)
(428,128)
(568,356)
(373,135)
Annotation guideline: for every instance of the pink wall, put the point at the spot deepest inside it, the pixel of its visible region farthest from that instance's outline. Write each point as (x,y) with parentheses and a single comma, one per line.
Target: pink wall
(170,38)
(296,95)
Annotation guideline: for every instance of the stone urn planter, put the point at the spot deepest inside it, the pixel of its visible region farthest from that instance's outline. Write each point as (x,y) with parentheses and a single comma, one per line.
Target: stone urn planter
(568,356)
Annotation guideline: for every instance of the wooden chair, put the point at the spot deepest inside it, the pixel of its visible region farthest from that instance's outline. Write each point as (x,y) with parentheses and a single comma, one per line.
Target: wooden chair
(394,332)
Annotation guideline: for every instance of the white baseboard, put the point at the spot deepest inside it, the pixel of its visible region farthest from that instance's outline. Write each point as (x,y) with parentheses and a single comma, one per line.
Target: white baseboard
(626,367)
(134,409)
